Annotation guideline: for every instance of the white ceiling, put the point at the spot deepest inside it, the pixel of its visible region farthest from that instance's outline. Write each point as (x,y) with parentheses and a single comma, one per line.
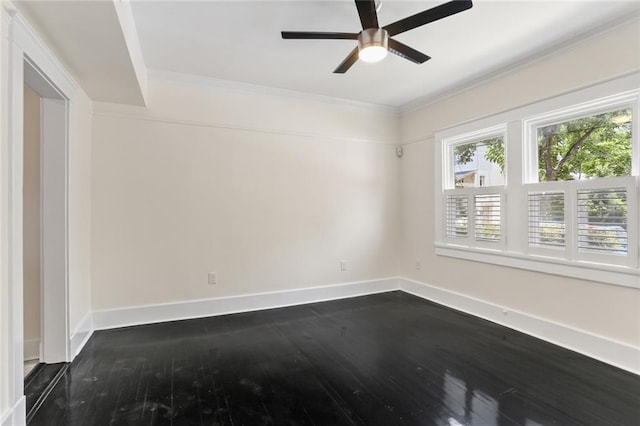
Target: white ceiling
(240,41)
(88,38)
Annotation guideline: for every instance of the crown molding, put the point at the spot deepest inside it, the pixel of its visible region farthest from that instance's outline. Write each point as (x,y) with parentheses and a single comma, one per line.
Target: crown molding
(109,110)
(156,75)
(517,111)
(499,72)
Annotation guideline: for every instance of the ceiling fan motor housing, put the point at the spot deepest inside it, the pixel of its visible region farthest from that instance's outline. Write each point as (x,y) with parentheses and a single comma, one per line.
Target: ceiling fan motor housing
(373,44)
(373,37)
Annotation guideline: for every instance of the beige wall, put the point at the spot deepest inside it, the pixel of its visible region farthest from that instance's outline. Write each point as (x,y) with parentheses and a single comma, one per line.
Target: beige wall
(602,309)
(270,193)
(31,215)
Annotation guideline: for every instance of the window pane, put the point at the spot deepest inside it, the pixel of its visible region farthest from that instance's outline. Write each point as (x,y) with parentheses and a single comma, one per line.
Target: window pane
(479,163)
(602,220)
(592,147)
(457,214)
(487,218)
(546,219)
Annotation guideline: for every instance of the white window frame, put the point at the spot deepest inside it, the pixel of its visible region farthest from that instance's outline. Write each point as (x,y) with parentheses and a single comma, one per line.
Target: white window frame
(521,177)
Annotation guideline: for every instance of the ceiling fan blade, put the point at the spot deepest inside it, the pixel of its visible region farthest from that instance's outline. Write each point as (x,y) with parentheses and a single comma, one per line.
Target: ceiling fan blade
(306,35)
(431,15)
(348,61)
(367,12)
(407,52)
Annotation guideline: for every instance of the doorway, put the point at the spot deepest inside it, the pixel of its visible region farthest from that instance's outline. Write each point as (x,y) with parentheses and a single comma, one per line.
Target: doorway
(27,60)
(44,236)
(31,235)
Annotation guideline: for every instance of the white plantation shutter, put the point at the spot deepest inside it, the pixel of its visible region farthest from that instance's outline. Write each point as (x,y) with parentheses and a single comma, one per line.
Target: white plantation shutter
(546,219)
(602,220)
(457,216)
(487,217)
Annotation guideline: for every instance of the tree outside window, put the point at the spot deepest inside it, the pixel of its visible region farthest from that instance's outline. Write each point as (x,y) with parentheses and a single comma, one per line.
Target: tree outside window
(598,146)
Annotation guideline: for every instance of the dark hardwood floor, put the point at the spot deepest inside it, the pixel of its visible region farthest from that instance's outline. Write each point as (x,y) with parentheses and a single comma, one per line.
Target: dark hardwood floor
(387,359)
(39,383)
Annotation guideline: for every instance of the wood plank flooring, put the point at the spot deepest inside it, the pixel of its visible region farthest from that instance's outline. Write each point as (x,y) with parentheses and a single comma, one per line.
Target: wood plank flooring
(386,359)
(40,383)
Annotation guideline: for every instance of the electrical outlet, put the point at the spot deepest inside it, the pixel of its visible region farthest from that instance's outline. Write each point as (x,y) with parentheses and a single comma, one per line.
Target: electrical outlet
(418,264)
(343,265)
(212,278)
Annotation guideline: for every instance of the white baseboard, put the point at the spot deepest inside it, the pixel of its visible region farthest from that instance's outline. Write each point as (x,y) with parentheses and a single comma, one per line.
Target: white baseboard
(113,318)
(609,351)
(81,334)
(16,416)
(31,349)
(601,348)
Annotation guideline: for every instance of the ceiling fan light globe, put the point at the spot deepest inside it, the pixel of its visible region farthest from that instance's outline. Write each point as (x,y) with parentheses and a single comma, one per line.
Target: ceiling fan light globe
(372,53)
(373,44)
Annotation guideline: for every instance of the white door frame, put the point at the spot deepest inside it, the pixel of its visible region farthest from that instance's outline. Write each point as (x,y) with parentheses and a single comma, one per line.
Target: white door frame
(54,339)
(28,54)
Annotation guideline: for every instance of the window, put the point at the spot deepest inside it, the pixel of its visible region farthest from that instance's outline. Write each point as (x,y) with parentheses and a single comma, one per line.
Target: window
(474,161)
(475,188)
(584,161)
(595,146)
(553,183)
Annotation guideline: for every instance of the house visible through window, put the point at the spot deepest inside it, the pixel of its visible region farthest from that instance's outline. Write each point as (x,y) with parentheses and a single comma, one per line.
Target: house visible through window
(475,161)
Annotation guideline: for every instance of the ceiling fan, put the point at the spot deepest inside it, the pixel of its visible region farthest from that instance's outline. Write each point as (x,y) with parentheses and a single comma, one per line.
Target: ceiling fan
(374,41)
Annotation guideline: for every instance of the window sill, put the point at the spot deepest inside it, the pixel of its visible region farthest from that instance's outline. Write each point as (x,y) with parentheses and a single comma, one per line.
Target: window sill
(609,274)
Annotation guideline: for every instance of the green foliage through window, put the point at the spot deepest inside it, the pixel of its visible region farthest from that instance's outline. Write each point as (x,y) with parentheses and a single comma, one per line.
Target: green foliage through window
(495,151)
(591,147)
